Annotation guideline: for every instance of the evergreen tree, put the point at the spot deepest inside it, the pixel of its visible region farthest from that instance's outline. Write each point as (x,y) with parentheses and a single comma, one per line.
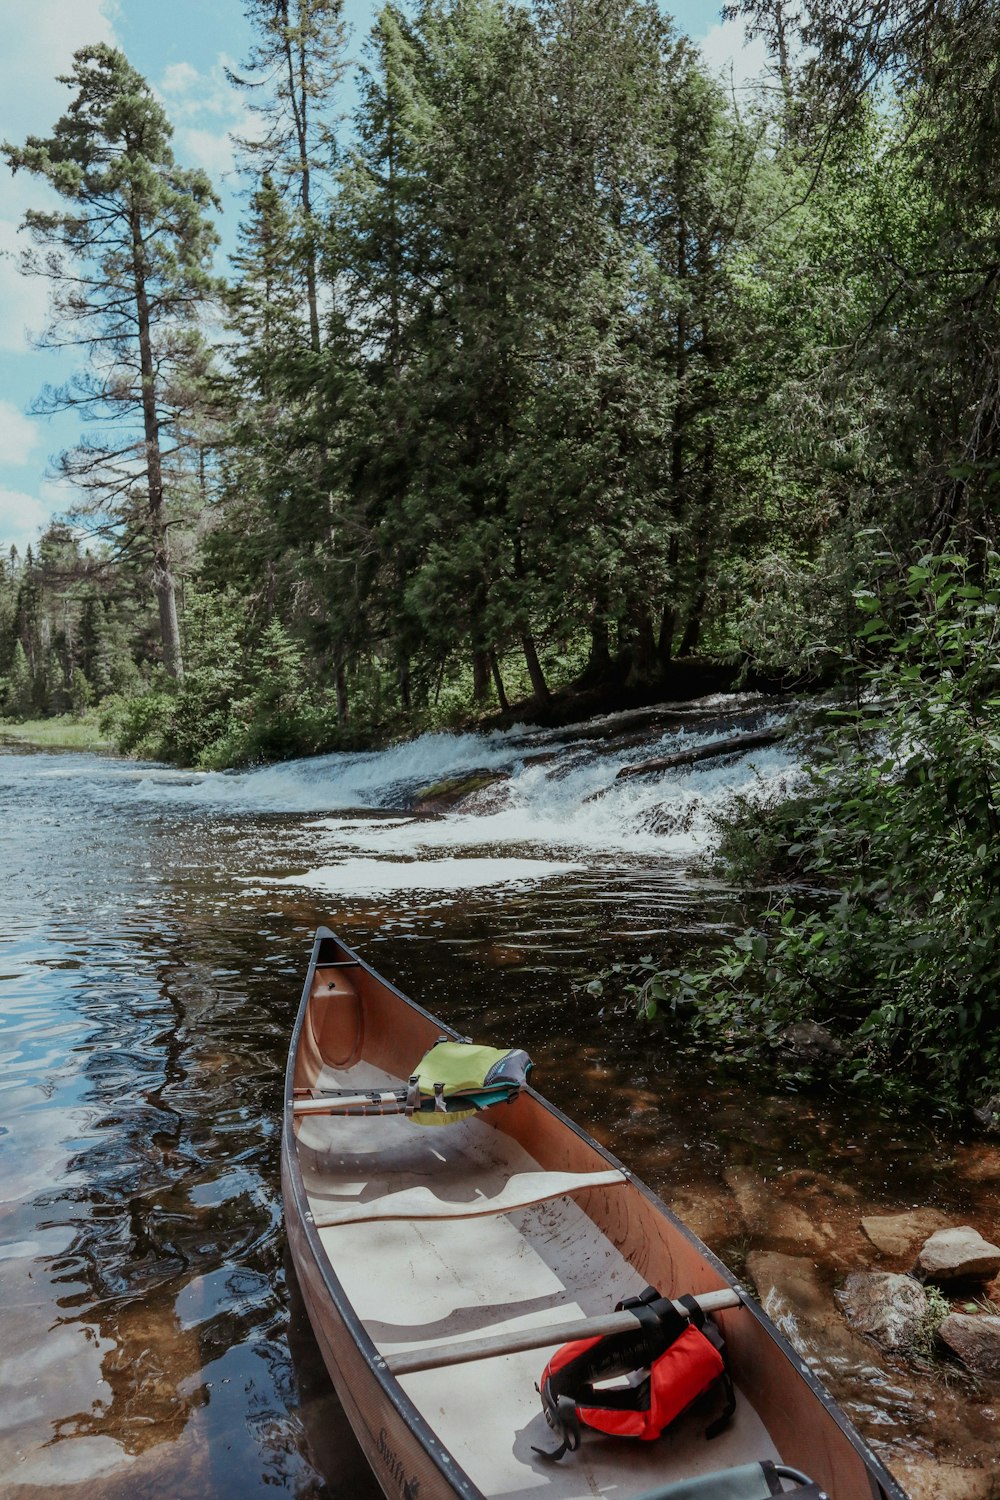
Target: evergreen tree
(17,703)
(80,693)
(904,95)
(10,568)
(299,60)
(129,263)
(27,614)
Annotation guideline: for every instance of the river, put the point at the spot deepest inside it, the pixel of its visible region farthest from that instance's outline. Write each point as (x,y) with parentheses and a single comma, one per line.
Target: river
(155,927)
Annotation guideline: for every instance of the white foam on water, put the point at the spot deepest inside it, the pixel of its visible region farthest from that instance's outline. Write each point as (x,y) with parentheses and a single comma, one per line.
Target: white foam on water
(672,813)
(548,818)
(377,877)
(371,778)
(557,803)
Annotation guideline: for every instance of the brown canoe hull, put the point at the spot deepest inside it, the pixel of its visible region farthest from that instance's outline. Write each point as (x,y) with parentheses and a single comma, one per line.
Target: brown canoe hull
(405,1453)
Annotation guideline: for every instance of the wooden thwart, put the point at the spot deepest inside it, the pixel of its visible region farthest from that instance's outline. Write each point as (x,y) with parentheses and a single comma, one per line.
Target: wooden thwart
(436,1356)
(520,1191)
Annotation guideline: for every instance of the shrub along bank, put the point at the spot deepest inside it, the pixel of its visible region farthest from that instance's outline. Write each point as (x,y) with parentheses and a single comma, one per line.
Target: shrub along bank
(885,929)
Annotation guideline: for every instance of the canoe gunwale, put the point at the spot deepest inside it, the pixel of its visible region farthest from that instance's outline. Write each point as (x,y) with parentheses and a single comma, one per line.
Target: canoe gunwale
(883,1485)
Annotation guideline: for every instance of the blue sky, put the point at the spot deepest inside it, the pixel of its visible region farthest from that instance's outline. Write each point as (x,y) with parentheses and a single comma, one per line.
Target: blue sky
(182,48)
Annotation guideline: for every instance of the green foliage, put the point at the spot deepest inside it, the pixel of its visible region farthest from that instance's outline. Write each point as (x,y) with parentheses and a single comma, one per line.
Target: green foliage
(925,1341)
(900,826)
(238,703)
(138,725)
(16,687)
(561,366)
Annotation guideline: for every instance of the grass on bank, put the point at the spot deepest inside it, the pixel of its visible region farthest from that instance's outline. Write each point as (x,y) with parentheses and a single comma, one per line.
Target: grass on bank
(64,732)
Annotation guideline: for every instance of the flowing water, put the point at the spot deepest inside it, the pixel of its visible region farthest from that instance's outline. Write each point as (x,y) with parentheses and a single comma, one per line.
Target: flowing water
(154,929)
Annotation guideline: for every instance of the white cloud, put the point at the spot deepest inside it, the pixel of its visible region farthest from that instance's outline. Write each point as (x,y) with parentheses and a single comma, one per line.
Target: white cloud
(211,150)
(22,517)
(18,435)
(190,94)
(208,113)
(37,47)
(179,78)
(728,53)
(24,300)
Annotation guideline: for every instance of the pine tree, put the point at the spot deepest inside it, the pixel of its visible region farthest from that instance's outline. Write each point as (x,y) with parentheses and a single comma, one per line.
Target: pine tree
(28,614)
(17,702)
(129,263)
(441,186)
(80,693)
(299,60)
(10,568)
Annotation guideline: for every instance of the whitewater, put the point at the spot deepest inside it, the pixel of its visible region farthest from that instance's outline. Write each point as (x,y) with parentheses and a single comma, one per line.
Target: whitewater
(556,807)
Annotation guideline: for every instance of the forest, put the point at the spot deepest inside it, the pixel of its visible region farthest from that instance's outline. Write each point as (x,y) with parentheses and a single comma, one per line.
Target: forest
(559,366)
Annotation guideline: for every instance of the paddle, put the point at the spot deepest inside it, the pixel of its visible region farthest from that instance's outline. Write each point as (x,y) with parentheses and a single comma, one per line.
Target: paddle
(436,1356)
(376,1103)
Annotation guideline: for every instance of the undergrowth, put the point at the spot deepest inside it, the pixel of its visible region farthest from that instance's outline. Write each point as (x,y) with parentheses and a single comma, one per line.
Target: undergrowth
(884,928)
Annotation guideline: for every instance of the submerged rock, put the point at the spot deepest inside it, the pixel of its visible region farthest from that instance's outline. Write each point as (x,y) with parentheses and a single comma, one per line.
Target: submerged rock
(975,1338)
(782,1221)
(988,1113)
(796,1295)
(494,796)
(958,1255)
(885,1305)
(791,1280)
(900,1234)
(934,1479)
(810,1040)
(444,796)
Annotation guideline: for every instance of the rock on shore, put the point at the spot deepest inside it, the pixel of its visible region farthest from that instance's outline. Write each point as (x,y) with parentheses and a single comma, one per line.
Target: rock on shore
(886,1306)
(960,1254)
(975,1338)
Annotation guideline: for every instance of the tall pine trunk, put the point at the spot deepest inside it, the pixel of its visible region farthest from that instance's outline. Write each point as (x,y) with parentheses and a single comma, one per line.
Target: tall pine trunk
(668,619)
(480,675)
(340,688)
(692,626)
(498,683)
(539,686)
(599,662)
(163,578)
(298,92)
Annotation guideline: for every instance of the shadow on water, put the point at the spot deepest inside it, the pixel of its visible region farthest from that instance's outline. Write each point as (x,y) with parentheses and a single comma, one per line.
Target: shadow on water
(154,1343)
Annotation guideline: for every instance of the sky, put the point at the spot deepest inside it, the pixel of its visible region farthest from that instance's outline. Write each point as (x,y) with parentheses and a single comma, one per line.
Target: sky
(183,49)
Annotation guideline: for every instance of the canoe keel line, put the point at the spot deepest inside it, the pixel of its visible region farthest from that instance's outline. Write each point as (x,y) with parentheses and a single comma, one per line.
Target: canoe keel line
(444,1270)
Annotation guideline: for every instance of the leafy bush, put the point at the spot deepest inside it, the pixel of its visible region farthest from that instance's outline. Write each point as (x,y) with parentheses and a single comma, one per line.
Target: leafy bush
(237,704)
(138,725)
(901,829)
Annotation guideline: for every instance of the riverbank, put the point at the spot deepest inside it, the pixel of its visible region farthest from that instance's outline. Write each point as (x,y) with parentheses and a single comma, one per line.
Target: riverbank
(63,732)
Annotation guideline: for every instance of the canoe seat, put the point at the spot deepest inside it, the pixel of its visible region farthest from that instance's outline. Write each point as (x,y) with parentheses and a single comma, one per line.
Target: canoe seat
(519,1191)
(747,1482)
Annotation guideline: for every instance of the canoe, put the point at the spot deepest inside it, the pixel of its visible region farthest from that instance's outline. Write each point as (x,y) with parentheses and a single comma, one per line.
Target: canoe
(442,1269)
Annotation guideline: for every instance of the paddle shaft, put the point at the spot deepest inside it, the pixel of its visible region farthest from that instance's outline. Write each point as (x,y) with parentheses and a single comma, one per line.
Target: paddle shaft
(436,1356)
(387,1104)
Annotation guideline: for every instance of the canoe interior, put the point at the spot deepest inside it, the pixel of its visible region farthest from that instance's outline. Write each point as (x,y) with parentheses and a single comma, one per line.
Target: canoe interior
(414,1282)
